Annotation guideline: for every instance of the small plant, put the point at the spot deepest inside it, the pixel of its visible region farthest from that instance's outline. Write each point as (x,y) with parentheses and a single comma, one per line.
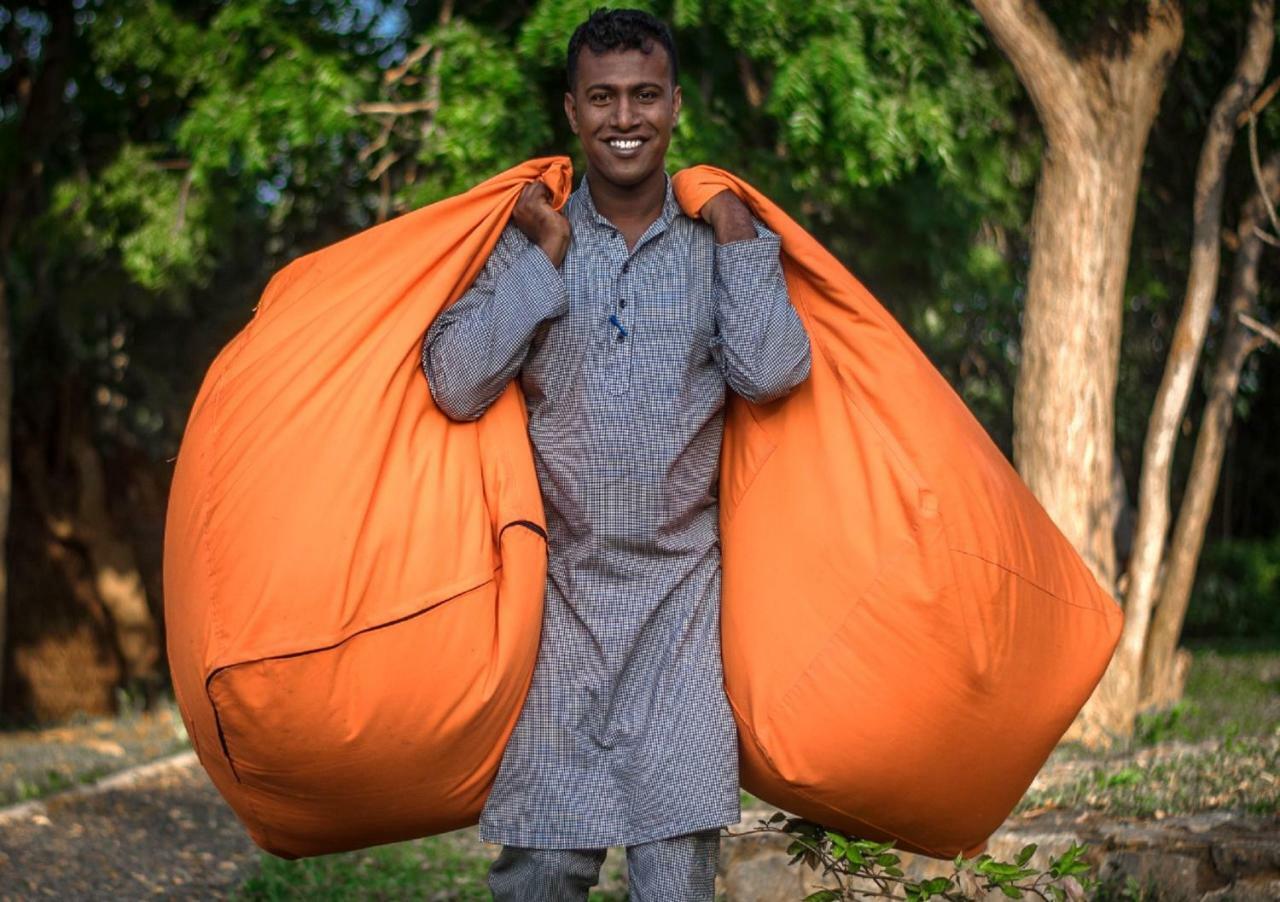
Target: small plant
(1131,890)
(846,857)
(1156,726)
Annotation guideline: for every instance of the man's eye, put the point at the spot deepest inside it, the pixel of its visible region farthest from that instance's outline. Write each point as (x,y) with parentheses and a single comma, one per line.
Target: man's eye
(648,95)
(597,98)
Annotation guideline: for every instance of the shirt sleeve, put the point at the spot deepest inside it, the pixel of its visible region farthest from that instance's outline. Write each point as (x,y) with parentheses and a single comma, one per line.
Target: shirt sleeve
(478,344)
(760,344)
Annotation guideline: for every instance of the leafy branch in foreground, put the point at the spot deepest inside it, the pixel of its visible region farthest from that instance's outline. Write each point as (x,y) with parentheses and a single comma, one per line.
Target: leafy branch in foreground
(845,857)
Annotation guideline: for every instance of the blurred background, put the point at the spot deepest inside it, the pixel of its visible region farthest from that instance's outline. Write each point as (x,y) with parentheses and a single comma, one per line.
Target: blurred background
(1064,203)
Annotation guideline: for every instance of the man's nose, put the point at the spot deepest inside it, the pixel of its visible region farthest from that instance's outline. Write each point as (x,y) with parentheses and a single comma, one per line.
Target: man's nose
(625,114)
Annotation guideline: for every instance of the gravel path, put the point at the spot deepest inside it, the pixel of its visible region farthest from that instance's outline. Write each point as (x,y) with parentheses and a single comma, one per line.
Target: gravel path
(160,830)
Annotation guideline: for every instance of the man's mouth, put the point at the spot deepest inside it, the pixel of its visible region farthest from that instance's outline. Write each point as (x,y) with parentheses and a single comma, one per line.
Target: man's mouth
(624,147)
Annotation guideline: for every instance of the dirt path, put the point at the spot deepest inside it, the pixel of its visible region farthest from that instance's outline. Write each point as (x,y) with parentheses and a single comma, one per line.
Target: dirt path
(153,831)
(162,829)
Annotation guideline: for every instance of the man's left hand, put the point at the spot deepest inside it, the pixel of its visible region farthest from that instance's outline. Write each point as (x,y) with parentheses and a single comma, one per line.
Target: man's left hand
(729,217)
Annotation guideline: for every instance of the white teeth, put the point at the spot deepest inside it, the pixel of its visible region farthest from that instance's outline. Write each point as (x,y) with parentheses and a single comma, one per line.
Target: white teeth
(625,145)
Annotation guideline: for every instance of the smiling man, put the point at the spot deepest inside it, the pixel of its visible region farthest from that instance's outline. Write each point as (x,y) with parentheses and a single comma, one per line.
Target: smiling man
(627,322)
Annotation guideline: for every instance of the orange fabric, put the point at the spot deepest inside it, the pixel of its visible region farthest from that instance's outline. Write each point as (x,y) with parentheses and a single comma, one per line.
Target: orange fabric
(353,582)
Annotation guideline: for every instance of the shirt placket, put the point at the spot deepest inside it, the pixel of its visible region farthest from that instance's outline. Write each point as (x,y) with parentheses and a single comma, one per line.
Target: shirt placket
(618,314)
(620,301)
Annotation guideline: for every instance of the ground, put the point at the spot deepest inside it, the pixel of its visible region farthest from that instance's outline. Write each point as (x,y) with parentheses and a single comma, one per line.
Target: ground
(165,830)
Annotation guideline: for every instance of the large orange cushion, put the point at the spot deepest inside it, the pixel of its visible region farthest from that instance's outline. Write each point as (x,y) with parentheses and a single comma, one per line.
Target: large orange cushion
(353,582)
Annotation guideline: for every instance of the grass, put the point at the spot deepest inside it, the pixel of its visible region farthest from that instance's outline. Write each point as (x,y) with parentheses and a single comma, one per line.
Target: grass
(1233,689)
(438,868)
(449,868)
(39,761)
(1218,748)
(1236,773)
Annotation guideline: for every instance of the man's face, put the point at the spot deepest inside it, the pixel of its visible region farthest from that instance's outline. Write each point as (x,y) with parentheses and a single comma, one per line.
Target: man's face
(623,97)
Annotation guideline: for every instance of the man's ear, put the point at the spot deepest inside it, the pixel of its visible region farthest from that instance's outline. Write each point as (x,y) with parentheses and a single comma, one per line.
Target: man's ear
(571,111)
(675,105)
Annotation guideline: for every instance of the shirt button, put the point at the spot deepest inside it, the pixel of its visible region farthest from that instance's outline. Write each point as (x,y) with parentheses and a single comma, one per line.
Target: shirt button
(621,337)
(622,302)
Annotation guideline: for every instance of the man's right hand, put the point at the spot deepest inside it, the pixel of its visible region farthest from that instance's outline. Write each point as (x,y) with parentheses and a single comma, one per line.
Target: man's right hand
(542,225)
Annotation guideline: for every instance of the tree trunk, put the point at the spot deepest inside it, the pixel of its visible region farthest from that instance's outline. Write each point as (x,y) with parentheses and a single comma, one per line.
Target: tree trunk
(1188,337)
(115,571)
(1161,680)
(38,101)
(1064,402)
(6,472)
(1096,105)
(75,509)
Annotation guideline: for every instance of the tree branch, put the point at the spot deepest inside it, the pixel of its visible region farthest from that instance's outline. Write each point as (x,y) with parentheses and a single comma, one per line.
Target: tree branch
(1044,66)
(378,108)
(1170,404)
(1261,328)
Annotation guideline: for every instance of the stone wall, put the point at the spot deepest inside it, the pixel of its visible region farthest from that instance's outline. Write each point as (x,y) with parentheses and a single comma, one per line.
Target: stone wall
(1218,855)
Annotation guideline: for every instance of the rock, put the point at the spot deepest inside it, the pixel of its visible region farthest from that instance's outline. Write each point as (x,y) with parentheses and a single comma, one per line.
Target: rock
(1216,855)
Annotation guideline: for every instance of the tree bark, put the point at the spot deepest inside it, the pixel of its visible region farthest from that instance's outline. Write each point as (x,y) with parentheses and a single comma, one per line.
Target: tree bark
(1096,106)
(112,571)
(1162,675)
(115,571)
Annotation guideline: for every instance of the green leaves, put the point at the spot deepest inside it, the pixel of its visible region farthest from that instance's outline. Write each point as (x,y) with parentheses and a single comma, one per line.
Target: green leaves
(1069,863)
(833,851)
(488,117)
(136,212)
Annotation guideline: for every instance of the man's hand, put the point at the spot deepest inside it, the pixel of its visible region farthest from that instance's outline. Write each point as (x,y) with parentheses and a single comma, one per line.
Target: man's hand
(542,225)
(729,217)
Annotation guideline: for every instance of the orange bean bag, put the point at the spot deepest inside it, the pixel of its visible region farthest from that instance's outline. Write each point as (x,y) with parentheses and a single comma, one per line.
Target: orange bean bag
(353,582)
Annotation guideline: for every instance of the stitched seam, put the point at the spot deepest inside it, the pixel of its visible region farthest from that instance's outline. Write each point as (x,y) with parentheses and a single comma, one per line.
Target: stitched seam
(1028,581)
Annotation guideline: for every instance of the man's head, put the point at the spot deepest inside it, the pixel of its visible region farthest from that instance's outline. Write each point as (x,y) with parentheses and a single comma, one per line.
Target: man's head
(622,71)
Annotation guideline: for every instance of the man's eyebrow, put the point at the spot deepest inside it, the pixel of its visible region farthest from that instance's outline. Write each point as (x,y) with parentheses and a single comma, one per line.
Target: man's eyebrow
(608,87)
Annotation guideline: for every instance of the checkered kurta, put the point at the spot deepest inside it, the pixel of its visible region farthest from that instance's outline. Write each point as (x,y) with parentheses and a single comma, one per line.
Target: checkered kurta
(626,735)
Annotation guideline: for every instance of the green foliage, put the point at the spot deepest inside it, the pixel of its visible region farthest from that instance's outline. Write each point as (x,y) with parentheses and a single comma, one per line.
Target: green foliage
(269,99)
(1237,585)
(839,854)
(146,36)
(866,92)
(545,34)
(1227,772)
(1128,889)
(433,868)
(1151,728)
(217,140)
(136,213)
(1233,687)
(488,118)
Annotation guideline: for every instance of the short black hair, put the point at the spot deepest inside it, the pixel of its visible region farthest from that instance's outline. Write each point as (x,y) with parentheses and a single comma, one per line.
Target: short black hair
(620,29)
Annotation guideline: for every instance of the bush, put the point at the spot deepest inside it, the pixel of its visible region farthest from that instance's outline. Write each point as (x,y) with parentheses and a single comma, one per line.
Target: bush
(1237,587)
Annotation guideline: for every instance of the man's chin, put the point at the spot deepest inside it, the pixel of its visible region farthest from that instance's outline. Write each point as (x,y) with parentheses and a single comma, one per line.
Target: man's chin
(624,176)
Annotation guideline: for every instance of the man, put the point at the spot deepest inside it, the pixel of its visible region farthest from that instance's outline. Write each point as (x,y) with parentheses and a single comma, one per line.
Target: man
(625,320)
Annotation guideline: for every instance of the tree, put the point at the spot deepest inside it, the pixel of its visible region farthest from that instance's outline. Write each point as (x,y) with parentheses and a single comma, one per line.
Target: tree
(1145,653)
(1163,671)
(33,85)
(1097,102)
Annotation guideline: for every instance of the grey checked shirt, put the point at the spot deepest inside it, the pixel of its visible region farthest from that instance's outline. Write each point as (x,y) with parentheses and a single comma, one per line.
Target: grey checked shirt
(626,734)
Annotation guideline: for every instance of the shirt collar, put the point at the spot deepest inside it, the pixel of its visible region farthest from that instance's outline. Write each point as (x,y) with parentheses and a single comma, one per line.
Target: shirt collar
(670,206)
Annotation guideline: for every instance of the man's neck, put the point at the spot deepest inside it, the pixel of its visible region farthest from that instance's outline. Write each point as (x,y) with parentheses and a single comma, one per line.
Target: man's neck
(632,205)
